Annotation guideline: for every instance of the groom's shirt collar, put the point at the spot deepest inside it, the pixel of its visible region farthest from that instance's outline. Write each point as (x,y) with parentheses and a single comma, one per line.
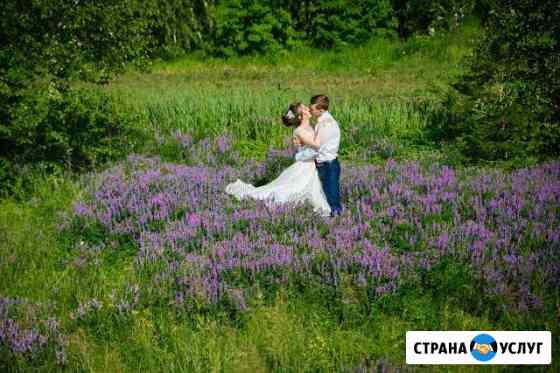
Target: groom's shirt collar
(325,116)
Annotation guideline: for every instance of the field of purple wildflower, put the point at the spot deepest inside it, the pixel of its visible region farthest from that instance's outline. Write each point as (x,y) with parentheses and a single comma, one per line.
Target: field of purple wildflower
(485,243)
(400,220)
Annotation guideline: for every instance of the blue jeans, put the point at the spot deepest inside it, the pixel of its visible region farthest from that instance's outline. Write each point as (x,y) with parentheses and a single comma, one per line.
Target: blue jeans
(329,174)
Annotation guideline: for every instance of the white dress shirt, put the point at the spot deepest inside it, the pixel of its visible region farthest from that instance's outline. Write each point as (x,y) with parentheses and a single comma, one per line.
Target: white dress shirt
(328,134)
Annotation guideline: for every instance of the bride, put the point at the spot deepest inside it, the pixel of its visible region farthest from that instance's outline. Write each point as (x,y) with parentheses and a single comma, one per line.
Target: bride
(299,182)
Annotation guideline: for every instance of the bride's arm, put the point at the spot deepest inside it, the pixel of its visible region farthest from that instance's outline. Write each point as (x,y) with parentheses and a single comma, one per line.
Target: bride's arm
(309,140)
(306,154)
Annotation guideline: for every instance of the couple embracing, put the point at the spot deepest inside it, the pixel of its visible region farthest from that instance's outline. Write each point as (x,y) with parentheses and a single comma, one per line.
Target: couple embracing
(315,175)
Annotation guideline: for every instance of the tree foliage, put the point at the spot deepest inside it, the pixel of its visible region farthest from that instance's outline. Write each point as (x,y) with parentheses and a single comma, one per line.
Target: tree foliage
(45,45)
(261,26)
(423,15)
(338,22)
(507,104)
(251,26)
(177,26)
(62,38)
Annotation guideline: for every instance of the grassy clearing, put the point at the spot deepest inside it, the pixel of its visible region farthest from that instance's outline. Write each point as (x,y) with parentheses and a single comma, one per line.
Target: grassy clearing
(374,91)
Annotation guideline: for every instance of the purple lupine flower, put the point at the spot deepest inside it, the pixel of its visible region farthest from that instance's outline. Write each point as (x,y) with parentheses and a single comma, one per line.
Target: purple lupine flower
(222,244)
(179,298)
(184,139)
(223,144)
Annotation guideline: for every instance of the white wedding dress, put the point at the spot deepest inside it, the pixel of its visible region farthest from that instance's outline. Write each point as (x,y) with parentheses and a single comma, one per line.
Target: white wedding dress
(297,183)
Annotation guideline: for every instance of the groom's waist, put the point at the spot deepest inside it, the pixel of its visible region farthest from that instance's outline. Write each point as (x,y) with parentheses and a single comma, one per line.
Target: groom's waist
(325,161)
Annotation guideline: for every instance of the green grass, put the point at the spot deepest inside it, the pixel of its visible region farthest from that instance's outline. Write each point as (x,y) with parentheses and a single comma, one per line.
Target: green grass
(292,332)
(374,90)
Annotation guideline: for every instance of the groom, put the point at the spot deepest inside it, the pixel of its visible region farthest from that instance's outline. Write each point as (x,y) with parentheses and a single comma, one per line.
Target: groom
(328,167)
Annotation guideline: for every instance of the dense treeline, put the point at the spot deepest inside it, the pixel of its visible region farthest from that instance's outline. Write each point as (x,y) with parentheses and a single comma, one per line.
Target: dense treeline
(46,120)
(249,26)
(102,35)
(45,45)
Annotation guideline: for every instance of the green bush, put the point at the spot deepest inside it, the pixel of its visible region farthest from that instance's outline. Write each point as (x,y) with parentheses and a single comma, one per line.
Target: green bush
(69,126)
(250,27)
(338,22)
(507,104)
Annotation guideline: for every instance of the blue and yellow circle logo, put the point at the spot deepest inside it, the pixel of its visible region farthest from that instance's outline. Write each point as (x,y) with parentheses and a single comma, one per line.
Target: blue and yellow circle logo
(484,347)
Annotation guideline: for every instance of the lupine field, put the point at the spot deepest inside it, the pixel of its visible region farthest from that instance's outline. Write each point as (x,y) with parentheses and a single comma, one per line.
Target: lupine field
(400,220)
(146,264)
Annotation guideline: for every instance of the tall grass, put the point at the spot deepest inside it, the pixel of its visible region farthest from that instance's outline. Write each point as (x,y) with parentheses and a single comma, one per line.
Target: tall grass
(253,118)
(373,88)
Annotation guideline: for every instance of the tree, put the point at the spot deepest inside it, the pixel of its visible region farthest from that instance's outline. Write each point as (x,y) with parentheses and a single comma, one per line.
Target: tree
(419,15)
(508,103)
(46,44)
(178,26)
(251,26)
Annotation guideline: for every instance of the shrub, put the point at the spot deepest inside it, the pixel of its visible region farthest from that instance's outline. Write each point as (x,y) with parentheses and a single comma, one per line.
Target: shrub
(251,26)
(338,22)
(507,104)
(55,123)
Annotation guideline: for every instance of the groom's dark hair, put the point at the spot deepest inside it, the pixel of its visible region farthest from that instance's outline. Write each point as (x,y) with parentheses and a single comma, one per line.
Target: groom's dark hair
(321,101)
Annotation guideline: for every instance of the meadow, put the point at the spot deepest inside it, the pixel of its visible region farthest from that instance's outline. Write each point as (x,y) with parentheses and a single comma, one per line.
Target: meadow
(377,90)
(146,265)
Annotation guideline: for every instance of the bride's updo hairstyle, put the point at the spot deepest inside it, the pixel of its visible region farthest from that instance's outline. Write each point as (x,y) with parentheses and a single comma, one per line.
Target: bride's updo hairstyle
(292,117)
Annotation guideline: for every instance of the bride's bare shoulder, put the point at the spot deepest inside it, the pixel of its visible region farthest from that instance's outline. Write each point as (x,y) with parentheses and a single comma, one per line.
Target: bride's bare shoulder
(301,130)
